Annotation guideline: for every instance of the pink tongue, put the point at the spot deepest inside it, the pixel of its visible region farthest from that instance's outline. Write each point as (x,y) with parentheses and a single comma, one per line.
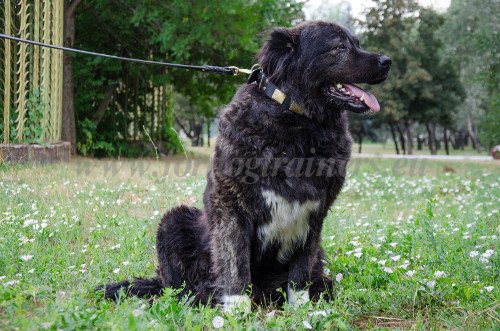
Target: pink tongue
(369,98)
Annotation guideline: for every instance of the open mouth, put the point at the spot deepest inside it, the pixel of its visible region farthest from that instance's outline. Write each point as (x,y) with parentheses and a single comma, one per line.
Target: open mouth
(354,97)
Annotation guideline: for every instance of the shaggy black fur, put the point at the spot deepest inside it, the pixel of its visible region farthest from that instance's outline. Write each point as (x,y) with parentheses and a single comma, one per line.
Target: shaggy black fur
(273,170)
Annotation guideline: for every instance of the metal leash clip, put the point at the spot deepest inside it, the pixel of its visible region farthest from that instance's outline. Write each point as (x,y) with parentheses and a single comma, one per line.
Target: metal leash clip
(239,71)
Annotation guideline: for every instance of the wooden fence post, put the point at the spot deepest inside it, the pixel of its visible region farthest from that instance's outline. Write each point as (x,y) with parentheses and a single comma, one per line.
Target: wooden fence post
(7,73)
(22,71)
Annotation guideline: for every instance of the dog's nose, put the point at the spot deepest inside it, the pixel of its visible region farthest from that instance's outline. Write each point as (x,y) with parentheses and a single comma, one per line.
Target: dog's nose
(385,61)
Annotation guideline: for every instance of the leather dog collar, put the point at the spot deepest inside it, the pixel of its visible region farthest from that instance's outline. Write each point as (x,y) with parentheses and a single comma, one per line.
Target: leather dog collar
(272,91)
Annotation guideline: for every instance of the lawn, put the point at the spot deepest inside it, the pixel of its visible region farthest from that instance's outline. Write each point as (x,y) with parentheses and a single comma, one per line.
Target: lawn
(410,244)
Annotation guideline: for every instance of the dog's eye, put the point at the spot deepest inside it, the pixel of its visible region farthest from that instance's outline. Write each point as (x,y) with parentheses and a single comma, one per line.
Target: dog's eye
(340,47)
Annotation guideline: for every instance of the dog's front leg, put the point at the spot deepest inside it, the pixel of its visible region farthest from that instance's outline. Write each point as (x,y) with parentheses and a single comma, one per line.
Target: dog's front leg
(231,259)
(299,276)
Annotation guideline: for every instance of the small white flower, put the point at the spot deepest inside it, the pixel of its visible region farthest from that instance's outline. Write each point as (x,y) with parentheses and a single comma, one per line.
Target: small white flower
(271,313)
(388,270)
(11,282)
(393,244)
(46,325)
(489,288)
(218,322)
(156,213)
(31,271)
(29,222)
(473,253)
(410,273)
(125,262)
(431,283)
(318,313)
(358,255)
(339,277)
(488,253)
(26,257)
(117,270)
(439,274)
(396,258)
(307,325)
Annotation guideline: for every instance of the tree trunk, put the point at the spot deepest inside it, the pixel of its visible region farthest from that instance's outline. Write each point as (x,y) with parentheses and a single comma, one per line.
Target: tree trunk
(472,134)
(108,97)
(446,146)
(208,132)
(183,128)
(402,139)
(419,142)
(409,137)
(453,140)
(360,141)
(68,132)
(197,132)
(393,133)
(437,141)
(432,138)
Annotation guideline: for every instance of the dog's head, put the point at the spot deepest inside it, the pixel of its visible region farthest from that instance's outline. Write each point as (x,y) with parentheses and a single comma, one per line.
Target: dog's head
(318,63)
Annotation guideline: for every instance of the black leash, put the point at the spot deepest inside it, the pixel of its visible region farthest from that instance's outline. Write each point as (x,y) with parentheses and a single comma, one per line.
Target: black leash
(256,74)
(230,71)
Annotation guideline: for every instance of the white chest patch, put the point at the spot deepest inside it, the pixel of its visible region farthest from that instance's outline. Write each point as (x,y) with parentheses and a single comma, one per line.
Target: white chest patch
(289,224)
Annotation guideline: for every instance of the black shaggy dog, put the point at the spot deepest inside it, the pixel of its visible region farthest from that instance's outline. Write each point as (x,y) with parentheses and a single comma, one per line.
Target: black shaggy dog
(279,163)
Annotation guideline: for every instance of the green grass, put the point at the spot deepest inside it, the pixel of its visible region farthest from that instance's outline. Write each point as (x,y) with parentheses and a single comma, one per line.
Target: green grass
(401,240)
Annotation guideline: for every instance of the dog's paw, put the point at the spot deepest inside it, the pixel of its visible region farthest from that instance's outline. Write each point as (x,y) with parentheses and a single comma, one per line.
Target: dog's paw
(234,303)
(297,298)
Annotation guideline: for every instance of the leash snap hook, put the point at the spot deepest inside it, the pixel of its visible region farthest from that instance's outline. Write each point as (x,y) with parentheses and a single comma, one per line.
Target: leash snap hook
(238,71)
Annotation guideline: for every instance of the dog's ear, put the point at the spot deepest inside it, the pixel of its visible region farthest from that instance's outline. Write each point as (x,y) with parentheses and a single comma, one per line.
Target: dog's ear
(283,40)
(274,57)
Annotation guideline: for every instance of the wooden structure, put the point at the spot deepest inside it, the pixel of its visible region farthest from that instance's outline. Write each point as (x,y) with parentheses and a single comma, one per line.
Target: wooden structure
(30,76)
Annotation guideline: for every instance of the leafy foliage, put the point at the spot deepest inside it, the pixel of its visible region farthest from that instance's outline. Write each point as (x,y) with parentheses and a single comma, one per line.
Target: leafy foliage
(216,33)
(422,87)
(34,125)
(471,33)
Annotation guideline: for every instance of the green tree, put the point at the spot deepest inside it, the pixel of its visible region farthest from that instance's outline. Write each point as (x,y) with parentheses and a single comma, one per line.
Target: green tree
(422,88)
(389,28)
(436,101)
(121,99)
(471,34)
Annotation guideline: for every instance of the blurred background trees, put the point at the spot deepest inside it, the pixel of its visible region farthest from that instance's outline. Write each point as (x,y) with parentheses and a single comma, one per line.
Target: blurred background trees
(442,93)
(443,88)
(122,107)
(471,36)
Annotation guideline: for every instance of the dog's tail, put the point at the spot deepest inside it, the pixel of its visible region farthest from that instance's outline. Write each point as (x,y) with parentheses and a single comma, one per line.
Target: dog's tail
(140,287)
